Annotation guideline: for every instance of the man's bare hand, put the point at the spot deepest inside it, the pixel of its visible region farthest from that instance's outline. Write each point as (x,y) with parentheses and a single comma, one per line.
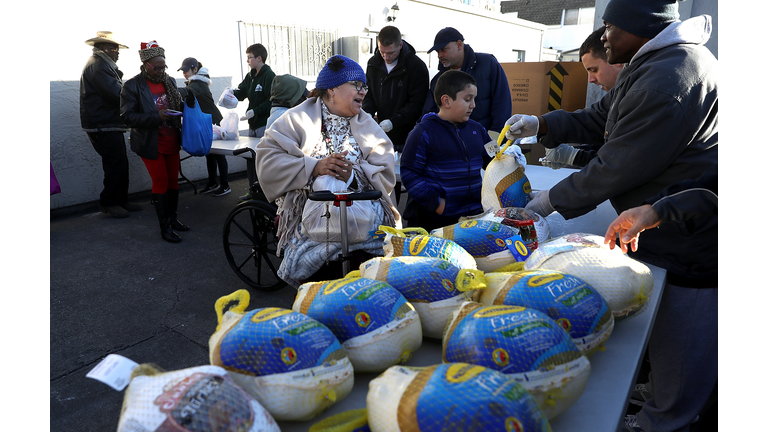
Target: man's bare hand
(629,225)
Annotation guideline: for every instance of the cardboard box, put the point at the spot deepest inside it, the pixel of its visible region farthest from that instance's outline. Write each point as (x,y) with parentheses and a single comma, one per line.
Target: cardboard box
(540,87)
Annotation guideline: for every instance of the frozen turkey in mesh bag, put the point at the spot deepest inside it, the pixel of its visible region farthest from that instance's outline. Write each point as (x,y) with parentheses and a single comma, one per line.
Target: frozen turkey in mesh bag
(533,228)
(574,305)
(434,286)
(523,343)
(626,284)
(292,364)
(493,245)
(504,182)
(418,242)
(451,397)
(197,399)
(375,324)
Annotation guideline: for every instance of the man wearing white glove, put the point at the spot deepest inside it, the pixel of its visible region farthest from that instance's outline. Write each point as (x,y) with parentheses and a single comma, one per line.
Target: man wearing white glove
(658,126)
(398,82)
(257,87)
(522,126)
(559,156)
(540,203)
(248,115)
(599,72)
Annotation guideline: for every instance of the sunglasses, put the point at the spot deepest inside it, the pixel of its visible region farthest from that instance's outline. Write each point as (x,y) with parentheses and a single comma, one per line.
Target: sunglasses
(156,69)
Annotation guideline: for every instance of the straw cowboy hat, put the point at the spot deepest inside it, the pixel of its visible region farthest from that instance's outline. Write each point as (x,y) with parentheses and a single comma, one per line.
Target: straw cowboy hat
(104,37)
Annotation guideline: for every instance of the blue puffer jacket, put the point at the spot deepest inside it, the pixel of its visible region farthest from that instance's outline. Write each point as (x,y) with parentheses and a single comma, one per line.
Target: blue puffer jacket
(442,159)
(494,100)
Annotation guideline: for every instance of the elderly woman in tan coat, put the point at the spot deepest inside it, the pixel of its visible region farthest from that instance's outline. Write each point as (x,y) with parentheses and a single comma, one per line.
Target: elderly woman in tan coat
(328,134)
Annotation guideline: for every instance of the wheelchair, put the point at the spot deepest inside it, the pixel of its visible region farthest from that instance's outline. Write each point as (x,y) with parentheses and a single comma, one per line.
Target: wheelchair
(250,236)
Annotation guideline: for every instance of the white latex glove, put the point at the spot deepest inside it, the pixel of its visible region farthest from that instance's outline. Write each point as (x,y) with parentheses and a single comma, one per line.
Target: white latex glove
(559,156)
(522,126)
(248,115)
(386,125)
(540,204)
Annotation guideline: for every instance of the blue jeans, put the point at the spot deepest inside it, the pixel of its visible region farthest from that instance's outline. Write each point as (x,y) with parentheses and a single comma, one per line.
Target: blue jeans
(258,133)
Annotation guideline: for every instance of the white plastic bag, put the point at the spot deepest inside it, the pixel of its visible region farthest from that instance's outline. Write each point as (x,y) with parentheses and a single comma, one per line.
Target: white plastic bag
(361,215)
(229,126)
(217,132)
(228,99)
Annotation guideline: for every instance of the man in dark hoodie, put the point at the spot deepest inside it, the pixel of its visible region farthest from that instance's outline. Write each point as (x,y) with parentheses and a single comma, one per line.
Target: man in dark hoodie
(494,101)
(658,126)
(398,83)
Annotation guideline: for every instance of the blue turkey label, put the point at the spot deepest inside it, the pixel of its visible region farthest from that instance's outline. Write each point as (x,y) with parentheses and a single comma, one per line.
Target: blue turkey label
(356,306)
(276,340)
(517,246)
(498,402)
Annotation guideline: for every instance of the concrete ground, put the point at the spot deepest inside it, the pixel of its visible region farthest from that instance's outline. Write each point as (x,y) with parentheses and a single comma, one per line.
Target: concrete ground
(117,287)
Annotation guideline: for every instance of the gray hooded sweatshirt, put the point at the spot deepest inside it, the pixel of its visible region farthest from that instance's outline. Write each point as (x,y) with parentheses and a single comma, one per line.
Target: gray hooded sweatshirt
(658,126)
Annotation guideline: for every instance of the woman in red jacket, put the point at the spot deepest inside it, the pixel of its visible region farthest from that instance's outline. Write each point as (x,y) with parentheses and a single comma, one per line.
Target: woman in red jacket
(150,104)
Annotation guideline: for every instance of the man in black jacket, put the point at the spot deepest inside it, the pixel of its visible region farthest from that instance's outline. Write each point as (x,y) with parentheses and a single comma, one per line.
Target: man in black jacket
(100,85)
(398,82)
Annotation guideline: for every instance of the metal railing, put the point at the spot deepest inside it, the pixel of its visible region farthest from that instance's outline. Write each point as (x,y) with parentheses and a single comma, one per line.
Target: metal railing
(295,50)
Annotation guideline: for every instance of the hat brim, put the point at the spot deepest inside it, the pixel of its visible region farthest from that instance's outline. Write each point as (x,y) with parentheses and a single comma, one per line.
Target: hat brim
(438,46)
(94,41)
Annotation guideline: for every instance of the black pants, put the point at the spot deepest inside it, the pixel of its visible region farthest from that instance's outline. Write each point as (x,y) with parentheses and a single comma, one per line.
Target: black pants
(416,216)
(214,160)
(114,160)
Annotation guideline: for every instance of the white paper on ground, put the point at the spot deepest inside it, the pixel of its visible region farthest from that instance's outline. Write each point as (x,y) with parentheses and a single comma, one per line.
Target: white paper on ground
(114,371)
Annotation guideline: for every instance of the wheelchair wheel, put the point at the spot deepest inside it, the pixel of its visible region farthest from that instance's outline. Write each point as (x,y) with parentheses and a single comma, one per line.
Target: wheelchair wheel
(250,244)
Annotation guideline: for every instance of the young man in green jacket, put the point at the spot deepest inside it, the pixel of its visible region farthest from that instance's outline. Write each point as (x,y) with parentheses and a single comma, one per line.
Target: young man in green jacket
(257,87)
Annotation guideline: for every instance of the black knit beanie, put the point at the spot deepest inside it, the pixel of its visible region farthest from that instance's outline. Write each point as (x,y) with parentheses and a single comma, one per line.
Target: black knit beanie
(644,18)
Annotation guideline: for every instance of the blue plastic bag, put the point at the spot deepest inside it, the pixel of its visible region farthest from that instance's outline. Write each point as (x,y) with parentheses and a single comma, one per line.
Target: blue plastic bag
(196,129)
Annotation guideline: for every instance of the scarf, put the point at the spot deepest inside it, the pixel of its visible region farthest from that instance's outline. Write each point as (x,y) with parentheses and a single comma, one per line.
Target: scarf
(174,98)
(336,137)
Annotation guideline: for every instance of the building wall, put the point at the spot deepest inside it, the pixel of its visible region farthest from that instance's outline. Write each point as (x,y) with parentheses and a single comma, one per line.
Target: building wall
(211,36)
(566,38)
(78,166)
(547,12)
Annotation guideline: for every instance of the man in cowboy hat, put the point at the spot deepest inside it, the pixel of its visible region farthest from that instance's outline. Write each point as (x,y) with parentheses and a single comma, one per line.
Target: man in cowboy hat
(100,85)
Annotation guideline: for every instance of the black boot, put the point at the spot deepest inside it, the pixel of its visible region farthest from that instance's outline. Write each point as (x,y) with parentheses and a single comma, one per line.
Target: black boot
(173,203)
(161,207)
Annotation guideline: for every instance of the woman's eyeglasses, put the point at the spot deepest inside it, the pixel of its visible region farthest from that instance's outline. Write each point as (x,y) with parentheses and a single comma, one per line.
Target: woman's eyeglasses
(359,85)
(155,68)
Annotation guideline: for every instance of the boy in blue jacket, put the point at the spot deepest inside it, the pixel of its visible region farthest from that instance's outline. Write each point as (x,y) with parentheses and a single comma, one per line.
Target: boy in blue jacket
(443,156)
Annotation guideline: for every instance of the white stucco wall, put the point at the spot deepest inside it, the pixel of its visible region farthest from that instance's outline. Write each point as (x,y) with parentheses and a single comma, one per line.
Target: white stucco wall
(78,166)
(210,34)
